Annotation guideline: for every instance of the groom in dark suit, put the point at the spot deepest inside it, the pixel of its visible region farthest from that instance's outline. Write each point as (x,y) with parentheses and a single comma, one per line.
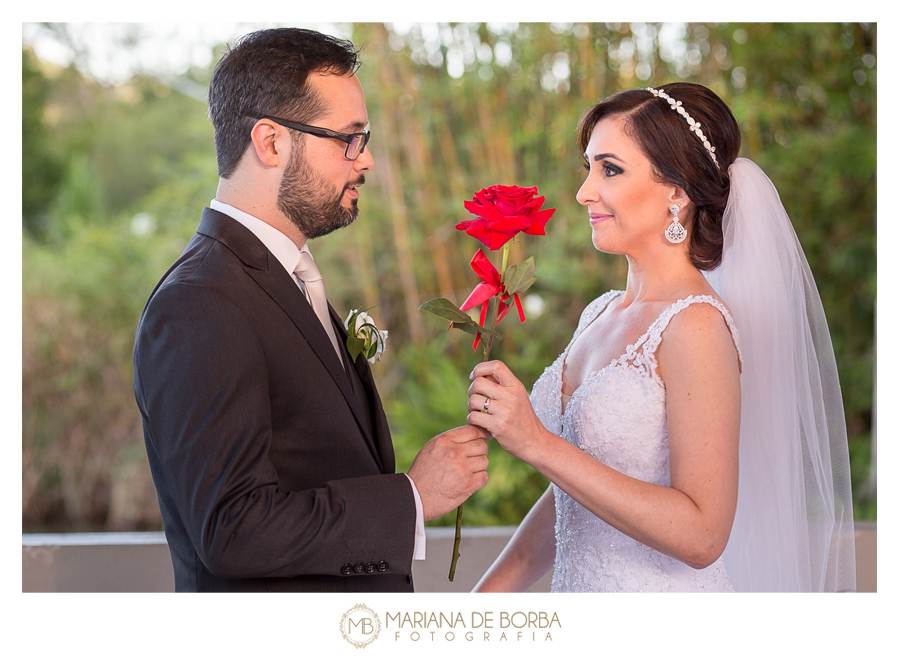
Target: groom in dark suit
(268,445)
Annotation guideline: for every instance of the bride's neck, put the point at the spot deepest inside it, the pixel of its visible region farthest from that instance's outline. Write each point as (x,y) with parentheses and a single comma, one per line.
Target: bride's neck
(661,279)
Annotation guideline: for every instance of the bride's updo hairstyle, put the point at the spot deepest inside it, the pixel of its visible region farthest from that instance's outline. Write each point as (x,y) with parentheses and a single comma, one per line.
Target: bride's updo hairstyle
(678,156)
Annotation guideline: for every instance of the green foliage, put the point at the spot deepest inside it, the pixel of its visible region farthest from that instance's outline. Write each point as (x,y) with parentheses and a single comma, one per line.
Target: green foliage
(78,197)
(118,212)
(432,398)
(41,163)
(865,504)
(145,141)
(83,463)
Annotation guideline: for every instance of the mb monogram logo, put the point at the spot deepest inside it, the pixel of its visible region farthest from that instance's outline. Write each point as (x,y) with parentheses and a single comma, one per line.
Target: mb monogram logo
(360,626)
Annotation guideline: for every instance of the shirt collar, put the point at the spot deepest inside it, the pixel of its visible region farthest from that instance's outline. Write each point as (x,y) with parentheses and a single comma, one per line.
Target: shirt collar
(281,246)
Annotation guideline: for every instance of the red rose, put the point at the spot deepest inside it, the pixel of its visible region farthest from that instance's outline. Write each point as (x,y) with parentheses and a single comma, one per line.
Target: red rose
(502,212)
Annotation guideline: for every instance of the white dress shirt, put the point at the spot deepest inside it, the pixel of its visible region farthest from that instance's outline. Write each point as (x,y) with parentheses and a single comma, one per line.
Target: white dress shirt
(288,254)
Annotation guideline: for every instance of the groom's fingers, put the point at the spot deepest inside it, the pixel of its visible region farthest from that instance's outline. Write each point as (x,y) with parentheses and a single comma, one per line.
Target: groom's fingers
(450,468)
(468,434)
(463,443)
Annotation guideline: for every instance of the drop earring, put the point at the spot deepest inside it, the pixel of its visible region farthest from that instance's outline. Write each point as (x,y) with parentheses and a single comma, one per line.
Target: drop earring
(676,232)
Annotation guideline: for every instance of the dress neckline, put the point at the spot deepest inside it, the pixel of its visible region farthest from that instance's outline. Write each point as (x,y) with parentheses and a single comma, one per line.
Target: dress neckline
(631,350)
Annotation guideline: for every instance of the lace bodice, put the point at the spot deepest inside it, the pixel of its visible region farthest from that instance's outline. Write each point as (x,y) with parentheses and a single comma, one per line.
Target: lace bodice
(618,416)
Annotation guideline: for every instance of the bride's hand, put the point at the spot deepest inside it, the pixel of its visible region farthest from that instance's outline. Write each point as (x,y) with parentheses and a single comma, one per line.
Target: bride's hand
(499,403)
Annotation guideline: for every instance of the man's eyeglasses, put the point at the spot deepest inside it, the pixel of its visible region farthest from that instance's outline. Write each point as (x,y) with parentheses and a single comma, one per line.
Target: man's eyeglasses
(356,142)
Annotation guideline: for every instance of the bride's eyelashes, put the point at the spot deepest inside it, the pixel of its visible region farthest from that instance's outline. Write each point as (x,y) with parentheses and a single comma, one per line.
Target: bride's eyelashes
(611,170)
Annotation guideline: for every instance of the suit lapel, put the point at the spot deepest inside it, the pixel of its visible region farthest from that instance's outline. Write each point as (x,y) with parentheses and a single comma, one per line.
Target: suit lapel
(361,373)
(272,278)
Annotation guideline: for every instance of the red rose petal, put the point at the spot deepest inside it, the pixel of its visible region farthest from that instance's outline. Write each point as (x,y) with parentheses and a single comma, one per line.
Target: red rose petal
(482,293)
(511,224)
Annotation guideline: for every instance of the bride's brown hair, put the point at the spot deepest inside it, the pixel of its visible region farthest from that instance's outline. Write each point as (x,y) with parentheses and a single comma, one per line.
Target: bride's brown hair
(677,155)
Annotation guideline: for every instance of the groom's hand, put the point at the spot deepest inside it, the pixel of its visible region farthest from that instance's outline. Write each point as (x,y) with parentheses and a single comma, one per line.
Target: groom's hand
(449,469)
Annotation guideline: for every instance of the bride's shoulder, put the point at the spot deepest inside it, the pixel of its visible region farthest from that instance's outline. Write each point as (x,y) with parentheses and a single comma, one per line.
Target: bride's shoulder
(699,312)
(698,323)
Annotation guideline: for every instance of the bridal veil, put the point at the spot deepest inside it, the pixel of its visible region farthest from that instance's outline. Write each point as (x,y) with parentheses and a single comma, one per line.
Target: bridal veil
(793,528)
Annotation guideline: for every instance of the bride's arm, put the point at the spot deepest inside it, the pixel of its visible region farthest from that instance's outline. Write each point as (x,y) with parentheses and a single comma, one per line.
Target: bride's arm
(691,519)
(528,555)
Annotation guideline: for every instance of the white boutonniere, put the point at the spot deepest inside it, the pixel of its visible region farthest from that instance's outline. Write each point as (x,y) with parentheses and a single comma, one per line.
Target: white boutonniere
(364,337)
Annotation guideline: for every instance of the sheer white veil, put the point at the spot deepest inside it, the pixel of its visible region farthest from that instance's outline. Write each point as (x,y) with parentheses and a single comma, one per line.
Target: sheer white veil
(793,528)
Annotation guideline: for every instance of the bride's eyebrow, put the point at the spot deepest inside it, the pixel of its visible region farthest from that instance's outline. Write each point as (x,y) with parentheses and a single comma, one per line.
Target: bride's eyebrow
(604,156)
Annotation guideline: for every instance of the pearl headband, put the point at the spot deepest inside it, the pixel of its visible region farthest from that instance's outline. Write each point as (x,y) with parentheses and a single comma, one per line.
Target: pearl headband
(695,125)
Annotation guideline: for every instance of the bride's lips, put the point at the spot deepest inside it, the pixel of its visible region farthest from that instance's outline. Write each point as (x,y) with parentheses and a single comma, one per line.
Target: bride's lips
(597,218)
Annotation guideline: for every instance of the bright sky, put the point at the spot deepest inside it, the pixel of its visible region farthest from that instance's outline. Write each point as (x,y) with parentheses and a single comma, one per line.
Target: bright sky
(113,52)
(159,48)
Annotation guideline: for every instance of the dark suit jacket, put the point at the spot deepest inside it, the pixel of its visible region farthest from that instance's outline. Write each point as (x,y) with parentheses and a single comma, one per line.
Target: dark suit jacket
(273,466)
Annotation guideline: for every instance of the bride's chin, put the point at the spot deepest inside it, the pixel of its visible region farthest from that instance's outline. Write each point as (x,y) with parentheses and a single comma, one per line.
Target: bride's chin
(607,241)
(606,248)
(600,245)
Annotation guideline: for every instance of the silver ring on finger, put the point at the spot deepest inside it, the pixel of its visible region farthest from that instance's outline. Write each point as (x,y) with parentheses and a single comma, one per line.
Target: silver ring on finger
(487,402)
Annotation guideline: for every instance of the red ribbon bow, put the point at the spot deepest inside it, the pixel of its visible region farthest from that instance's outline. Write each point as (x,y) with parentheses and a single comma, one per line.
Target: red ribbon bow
(490,286)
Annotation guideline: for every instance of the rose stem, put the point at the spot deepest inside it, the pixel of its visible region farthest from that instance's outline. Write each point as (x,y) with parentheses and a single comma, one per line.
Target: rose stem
(487,354)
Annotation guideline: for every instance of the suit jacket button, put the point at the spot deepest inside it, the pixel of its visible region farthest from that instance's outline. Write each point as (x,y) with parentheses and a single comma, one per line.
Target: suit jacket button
(359,567)
(370,568)
(346,569)
(382,566)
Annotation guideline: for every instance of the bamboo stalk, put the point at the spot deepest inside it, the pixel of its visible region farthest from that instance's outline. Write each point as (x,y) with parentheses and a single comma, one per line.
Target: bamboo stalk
(390,172)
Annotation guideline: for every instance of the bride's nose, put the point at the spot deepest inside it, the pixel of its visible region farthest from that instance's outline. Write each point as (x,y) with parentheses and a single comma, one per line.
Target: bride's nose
(586,194)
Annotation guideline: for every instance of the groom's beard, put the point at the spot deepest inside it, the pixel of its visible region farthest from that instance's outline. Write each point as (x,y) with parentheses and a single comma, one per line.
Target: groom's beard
(304,199)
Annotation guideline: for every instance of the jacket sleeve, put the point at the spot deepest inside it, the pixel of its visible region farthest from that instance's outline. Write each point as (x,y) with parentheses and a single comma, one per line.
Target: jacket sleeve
(202,385)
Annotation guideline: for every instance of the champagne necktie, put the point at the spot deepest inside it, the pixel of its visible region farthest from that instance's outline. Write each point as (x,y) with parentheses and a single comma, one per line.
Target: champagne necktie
(314,289)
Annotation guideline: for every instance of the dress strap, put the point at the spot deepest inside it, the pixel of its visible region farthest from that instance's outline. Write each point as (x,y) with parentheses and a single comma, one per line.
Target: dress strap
(595,308)
(651,340)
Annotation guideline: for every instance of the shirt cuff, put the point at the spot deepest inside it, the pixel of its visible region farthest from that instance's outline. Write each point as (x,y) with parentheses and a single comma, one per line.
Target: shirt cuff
(419,546)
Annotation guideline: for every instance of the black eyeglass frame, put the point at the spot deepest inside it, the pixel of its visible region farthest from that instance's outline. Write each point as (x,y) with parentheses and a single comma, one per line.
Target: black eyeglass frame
(324,132)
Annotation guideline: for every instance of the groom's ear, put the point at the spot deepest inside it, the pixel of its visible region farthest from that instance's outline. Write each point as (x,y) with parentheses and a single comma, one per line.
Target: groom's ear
(268,141)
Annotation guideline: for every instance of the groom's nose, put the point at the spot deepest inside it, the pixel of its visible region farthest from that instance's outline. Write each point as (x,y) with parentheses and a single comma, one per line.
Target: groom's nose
(365,161)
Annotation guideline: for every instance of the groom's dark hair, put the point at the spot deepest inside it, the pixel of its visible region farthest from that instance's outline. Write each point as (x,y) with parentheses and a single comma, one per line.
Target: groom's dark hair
(265,73)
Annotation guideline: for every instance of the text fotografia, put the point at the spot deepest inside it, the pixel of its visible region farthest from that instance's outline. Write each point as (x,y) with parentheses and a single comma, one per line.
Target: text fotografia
(477,626)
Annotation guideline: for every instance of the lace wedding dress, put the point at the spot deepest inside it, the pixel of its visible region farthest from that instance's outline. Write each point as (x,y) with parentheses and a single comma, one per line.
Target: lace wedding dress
(618,416)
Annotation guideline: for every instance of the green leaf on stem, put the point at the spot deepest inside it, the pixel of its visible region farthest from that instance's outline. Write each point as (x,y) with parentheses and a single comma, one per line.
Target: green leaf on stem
(474,329)
(355,346)
(519,278)
(444,308)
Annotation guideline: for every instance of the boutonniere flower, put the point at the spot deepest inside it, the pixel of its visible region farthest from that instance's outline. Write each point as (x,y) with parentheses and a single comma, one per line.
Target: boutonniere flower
(364,337)
(501,213)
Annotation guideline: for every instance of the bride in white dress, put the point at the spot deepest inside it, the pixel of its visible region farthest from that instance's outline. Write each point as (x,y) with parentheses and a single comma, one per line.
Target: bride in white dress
(693,427)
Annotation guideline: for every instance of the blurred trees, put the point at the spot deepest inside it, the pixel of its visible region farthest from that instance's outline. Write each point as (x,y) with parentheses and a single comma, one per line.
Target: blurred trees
(114,179)
(41,164)
(134,163)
